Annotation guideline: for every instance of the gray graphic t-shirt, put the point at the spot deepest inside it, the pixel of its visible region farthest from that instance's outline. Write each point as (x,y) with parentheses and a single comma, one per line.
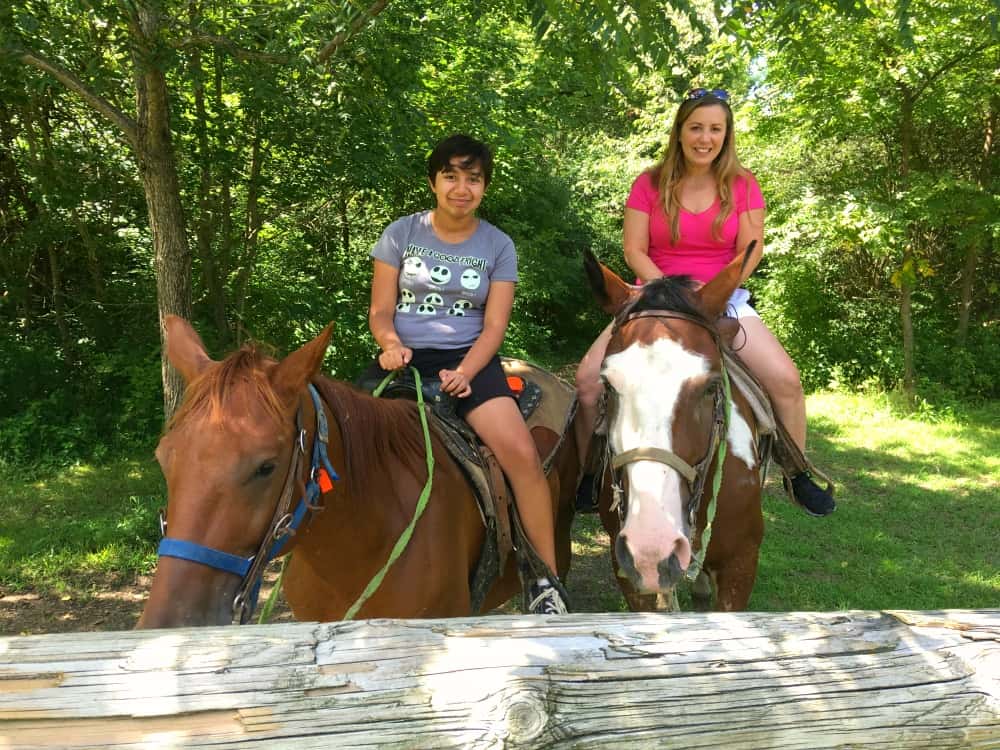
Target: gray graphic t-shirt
(443,286)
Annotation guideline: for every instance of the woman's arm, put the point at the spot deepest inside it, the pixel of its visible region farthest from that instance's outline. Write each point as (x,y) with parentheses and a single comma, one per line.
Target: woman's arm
(499,304)
(751,228)
(635,241)
(381,313)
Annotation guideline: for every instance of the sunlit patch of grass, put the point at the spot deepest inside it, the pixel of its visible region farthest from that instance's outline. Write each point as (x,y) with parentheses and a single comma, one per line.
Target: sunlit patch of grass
(55,530)
(917,521)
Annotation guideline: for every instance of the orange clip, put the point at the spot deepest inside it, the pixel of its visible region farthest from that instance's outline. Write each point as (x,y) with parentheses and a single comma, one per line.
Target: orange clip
(516,384)
(325,483)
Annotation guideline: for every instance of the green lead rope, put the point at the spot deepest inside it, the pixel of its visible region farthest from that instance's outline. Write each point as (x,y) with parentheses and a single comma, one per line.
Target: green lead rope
(404,538)
(706,536)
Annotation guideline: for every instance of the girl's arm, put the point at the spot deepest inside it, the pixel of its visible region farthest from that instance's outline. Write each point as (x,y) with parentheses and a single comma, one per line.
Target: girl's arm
(499,304)
(635,241)
(381,313)
(751,228)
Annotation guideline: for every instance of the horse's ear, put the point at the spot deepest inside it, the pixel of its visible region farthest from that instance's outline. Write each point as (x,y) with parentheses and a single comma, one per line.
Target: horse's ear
(716,293)
(185,350)
(299,367)
(611,292)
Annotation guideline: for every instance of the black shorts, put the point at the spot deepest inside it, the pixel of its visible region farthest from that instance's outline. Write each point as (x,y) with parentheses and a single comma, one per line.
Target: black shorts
(489,383)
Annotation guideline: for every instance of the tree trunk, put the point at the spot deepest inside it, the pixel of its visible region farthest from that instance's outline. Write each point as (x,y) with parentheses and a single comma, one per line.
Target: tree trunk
(205,228)
(909,269)
(158,169)
(345,224)
(93,258)
(254,221)
(986,168)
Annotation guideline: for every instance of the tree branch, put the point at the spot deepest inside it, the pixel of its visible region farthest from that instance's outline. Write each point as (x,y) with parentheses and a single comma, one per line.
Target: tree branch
(931,77)
(356,25)
(126,124)
(211,40)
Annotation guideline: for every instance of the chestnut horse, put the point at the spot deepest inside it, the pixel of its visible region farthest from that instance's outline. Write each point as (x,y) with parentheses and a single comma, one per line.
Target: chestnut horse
(668,425)
(230,457)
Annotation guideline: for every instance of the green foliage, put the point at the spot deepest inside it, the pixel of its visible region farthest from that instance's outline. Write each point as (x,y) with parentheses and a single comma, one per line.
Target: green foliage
(290,170)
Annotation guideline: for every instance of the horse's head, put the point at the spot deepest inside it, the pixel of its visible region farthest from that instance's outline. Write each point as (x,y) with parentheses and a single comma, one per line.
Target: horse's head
(662,370)
(227,456)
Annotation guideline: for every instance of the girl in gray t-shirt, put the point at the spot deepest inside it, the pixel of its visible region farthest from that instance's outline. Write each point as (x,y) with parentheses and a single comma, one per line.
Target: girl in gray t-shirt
(442,295)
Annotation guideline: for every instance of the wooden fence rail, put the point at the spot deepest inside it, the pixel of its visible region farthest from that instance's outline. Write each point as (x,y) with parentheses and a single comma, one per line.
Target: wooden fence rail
(750,680)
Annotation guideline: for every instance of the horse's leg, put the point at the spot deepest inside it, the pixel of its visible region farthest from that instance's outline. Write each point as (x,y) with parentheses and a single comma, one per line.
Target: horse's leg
(562,488)
(734,579)
(702,590)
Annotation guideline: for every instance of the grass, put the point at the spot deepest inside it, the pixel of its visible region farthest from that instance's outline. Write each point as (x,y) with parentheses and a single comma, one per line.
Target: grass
(917,525)
(69,530)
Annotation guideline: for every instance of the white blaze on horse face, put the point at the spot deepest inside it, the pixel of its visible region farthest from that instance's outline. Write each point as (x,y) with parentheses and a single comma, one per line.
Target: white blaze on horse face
(648,380)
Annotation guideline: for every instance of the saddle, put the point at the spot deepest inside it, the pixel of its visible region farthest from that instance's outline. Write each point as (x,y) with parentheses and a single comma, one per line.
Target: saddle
(548,405)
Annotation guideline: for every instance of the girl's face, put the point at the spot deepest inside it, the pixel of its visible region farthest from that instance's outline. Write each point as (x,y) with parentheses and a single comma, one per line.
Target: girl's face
(702,136)
(459,190)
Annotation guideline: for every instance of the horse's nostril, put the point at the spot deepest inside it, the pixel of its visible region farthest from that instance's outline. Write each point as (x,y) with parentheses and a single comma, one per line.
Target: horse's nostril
(670,571)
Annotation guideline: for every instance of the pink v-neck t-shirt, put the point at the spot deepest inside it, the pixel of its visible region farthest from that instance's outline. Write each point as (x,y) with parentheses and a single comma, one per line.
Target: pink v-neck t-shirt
(697,253)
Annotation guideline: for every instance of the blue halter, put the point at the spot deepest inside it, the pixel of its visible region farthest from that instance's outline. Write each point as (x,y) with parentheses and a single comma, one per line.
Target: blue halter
(283,525)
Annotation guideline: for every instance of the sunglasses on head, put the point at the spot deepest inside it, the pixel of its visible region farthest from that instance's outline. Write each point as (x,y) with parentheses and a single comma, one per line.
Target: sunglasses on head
(720,94)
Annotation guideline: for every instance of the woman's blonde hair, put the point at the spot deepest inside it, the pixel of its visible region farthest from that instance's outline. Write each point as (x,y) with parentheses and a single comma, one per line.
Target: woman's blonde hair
(668,172)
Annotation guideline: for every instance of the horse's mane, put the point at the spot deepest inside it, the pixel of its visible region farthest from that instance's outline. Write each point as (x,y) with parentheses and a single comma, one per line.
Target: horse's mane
(673,293)
(206,395)
(377,434)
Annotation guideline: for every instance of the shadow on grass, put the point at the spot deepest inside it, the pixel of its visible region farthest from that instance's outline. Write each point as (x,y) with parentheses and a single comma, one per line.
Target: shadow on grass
(58,529)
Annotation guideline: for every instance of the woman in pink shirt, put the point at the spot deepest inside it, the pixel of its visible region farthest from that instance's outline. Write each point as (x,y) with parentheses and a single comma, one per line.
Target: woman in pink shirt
(689,215)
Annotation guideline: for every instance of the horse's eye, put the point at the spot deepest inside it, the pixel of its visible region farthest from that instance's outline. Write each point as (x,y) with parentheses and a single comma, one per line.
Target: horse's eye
(264,470)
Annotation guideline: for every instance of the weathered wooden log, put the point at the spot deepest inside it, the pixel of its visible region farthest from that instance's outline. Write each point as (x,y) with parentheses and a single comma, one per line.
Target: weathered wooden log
(751,680)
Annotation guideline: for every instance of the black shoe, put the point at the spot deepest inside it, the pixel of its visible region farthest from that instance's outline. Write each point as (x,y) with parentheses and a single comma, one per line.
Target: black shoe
(586,494)
(814,500)
(545,599)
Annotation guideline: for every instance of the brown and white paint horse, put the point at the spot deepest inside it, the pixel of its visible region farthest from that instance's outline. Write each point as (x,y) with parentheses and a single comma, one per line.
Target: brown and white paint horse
(663,372)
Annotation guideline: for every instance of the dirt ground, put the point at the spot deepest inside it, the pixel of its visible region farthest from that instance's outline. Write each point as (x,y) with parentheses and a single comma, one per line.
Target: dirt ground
(116,604)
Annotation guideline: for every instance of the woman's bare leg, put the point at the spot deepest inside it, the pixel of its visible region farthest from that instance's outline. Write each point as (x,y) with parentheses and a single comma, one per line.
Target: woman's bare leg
(499,424)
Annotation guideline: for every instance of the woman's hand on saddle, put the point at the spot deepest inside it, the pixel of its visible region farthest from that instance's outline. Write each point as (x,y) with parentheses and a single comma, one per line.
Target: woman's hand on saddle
(395,357)
(455,382)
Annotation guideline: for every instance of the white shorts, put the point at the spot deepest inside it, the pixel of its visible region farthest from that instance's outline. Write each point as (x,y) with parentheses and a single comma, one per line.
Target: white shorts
(739,305)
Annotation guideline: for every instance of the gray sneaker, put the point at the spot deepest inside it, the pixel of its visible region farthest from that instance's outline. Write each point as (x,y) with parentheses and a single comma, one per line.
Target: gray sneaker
(545,600)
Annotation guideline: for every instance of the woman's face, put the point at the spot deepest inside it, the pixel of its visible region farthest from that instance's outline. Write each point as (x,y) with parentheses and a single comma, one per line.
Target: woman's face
(702,135)
(459,190)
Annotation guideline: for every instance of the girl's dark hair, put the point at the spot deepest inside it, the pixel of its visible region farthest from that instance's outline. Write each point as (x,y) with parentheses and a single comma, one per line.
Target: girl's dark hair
(465,146)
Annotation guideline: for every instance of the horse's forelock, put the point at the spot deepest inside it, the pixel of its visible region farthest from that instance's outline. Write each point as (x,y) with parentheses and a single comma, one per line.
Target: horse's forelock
(242,373)
(673,293)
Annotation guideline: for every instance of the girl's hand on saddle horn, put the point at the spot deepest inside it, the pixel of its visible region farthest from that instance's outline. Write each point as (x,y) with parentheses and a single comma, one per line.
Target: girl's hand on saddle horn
(395,357)
(455,383)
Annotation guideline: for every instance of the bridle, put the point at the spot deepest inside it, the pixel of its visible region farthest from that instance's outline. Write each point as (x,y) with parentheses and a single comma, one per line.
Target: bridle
(696,475)
(284,523)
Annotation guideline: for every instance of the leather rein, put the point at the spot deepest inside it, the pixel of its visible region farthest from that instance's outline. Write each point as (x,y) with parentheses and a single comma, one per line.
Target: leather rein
(284,523)
(696,475)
